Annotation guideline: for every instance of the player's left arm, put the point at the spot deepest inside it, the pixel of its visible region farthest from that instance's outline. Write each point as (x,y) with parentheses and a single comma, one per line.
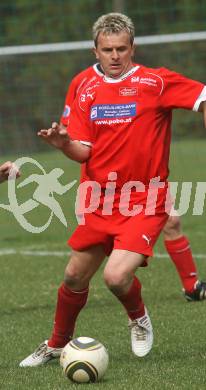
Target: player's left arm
(179,91)
(202,108)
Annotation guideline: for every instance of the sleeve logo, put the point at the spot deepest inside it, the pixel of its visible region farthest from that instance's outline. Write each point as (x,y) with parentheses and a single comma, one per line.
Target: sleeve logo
(66,112)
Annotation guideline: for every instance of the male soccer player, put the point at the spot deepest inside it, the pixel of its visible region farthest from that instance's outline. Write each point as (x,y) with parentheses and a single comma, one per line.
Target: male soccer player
(5,170)
(120,127)
(176,243)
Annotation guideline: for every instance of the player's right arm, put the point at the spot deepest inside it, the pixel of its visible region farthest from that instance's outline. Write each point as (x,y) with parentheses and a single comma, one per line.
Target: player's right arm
(58,137)
(76,83)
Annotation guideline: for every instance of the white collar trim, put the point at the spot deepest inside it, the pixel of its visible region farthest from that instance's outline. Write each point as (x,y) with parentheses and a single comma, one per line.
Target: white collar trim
(95,67)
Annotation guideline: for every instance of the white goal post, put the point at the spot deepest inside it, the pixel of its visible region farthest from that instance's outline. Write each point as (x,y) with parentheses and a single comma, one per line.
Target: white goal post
(82,45)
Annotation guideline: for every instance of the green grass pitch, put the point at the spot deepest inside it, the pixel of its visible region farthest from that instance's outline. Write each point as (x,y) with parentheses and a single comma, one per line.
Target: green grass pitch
(29,282)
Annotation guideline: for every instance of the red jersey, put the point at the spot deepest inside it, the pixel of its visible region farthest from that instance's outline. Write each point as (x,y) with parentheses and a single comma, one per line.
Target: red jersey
(128,122)
(77,82)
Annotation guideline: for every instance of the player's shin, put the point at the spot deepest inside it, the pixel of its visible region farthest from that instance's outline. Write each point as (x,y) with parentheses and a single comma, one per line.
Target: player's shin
(132,300)
(69,304)
(180,252)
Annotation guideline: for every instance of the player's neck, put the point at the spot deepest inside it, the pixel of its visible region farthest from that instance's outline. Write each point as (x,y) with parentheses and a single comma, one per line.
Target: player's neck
(123,75)
(99,68)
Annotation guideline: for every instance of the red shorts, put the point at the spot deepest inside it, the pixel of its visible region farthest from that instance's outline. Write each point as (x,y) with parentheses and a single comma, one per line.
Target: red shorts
(133,233)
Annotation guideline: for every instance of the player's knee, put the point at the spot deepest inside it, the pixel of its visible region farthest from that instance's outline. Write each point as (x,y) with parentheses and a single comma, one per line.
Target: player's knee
(72,277)
(71,280)
(115,281)
(172,228)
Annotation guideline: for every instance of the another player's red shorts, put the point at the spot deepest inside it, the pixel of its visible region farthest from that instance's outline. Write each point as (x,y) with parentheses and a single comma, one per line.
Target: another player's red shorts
(136,234)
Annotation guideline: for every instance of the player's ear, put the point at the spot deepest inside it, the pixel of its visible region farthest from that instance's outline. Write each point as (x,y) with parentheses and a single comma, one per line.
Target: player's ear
(133,50)
(95,52)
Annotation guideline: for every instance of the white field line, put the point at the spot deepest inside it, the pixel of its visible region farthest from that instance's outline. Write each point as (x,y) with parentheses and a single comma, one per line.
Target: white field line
(31,252)
(195,255)
(42,253)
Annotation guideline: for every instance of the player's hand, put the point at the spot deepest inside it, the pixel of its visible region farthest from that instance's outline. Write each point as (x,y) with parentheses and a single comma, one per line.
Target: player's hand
(56,135)
(7,168)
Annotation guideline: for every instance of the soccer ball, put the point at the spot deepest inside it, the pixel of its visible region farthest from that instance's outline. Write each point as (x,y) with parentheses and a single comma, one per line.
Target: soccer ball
(84,360)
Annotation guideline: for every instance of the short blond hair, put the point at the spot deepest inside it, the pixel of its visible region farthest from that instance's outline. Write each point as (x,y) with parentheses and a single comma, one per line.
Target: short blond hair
(111,23)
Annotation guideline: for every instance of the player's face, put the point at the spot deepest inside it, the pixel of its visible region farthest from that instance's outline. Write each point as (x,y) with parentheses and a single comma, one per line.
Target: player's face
(114,53)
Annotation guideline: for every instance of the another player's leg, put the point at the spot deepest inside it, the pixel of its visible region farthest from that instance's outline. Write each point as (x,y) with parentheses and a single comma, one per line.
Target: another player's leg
(72,296)
(120,279)
(178,248)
